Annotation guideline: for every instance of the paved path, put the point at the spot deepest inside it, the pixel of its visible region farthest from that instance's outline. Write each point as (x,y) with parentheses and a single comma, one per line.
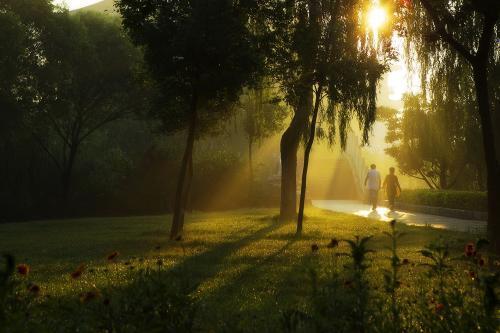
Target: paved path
(418,219)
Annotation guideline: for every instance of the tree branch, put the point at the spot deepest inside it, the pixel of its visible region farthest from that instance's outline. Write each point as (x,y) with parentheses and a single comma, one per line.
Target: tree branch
(426,179)
(444,34)
(39,141)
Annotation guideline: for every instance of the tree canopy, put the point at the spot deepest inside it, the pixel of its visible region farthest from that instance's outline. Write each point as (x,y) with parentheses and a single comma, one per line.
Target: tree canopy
(201,53)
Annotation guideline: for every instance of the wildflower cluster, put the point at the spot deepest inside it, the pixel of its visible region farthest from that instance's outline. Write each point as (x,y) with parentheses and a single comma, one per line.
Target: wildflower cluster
(438,299)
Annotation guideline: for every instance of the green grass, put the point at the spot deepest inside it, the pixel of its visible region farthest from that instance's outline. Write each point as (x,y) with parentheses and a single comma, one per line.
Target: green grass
(243,263)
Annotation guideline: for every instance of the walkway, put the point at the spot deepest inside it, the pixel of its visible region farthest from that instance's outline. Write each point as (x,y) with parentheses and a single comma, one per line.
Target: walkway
(418,219)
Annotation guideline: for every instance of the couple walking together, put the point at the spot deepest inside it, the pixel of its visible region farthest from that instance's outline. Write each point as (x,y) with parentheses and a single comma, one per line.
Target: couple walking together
(374,184)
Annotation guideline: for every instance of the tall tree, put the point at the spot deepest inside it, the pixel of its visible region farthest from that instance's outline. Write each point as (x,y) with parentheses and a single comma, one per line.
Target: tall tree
(293,65)
(201,53)
(434,142)
(465,31)
(305,33)
(346,70)
(86,82)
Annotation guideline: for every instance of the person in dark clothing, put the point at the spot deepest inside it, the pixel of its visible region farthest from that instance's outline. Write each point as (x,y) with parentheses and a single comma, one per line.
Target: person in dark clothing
(392,187)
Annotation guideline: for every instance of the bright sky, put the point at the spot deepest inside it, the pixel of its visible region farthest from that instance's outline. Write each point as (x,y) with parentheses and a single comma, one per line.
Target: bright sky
(399,80)
(75,4)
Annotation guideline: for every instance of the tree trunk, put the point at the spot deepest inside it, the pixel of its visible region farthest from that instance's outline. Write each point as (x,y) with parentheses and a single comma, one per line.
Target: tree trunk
(480,177)
(492,164)
(186,195)
(443,177)
(307,152)
(185,174)
(250,160)
(251,196)
(66,179)
(289,147)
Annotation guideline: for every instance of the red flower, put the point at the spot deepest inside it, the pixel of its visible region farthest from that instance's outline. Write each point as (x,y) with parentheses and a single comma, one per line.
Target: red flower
(472,274)
(78,272)
(470,249)
(33,288)
(113,256)
(405,262)
(439,307)
(23,269)
(314,247)
(333,243)
(481,262)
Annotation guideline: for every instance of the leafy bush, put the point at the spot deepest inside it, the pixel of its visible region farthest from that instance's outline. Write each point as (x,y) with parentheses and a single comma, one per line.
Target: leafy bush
(157,300)
(439,299)
(467,200)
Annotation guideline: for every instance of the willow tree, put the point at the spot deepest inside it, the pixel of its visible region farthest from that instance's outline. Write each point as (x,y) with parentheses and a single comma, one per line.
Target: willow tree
(347,66)
(314,41)
(292,65)
(465,32)
(201,53)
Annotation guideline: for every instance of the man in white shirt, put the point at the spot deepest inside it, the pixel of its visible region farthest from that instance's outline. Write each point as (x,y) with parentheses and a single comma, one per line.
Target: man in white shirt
(373,183)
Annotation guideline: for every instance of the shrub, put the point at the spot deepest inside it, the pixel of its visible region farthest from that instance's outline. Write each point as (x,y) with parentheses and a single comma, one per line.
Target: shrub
(156,300)
(439,299)
(468,200)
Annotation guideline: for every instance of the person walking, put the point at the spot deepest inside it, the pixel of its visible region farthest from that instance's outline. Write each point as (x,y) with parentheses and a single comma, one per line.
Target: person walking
(392,187)
(373,182)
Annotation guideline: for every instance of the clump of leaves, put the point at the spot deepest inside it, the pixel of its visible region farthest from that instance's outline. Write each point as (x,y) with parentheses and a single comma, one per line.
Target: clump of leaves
(483,276)
(439,254)
(391,277)
(358,254)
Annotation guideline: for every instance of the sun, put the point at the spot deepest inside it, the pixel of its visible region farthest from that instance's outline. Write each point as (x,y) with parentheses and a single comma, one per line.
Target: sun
(376,17)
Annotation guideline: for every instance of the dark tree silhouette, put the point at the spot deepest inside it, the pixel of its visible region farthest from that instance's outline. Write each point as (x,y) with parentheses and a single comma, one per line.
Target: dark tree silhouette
(83,87)
(466,31)
(310,39)
(73,76)
(201,53)
(347,67)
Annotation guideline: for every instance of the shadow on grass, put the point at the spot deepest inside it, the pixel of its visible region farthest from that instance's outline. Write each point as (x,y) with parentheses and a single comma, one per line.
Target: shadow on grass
(255,299)
(203,266)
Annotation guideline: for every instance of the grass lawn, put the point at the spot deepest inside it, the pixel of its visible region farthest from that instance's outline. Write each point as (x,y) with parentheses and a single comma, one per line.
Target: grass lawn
(242,264)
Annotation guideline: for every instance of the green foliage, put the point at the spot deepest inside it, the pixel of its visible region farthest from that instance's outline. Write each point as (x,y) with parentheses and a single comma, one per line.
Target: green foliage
(264,113)
(392,277)
(194,49)
(322,45)
(73,74)
(456,304)
(467,200)
(419,140)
